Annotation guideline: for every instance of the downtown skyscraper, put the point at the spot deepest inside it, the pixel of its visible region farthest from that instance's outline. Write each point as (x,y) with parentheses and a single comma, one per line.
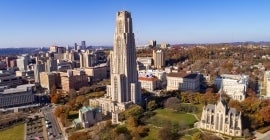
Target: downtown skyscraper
(124,76)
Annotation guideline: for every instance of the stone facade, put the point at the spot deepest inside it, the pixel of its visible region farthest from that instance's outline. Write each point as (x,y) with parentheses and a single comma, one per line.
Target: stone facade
(183,81)
(159,58)
(149,83)
(233,85)
(88,116)
(48,80)
(73,79)
(222,119)
(125,88)
(98,72)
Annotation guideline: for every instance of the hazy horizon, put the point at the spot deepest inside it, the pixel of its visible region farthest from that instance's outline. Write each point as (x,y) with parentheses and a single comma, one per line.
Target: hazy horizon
(64,22)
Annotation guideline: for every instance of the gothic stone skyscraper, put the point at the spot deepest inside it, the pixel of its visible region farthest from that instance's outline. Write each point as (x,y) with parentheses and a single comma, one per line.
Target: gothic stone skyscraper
(124,78)
(125,88)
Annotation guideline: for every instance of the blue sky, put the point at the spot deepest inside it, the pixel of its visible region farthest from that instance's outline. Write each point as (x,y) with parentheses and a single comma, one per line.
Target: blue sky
(41,23)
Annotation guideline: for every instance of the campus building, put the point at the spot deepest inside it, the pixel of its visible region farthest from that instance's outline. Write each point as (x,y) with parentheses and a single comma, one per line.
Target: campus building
(222,119)
(125,88)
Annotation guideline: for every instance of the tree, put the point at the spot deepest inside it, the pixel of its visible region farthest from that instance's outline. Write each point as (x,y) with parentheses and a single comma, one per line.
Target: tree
(235,104)
(197,136)
(63,119)
(72,94)
(53,90)
(172,103)
(131,121)
(166,134)
(79,101)
(78,136)
(55,98)
(184,97)
(210,98)
(121,130)
(134,111)
(151,105)
(265,113)
(58,111)
(142,130)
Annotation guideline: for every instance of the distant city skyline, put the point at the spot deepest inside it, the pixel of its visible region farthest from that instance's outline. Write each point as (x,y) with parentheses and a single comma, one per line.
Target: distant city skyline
(32,23)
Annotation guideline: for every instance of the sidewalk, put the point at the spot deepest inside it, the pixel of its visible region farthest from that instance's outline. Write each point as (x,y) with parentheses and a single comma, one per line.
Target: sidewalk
(260,136)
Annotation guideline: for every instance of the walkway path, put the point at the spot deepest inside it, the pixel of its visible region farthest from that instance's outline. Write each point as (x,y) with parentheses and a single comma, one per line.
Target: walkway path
(262,136)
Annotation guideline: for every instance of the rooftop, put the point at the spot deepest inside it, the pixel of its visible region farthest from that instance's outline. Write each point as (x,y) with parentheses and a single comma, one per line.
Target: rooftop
(18,89)
(87,108)
(183,75)
(148,78)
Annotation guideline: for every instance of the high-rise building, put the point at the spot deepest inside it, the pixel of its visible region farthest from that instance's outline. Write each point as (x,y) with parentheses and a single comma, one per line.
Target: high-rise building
(159,58)
(51,65)
(125,88)
(22,62)
(152,43)
(73,79)
(83,45)
(124,76)
(76,47)
(48,80)
(38,68)
(9,61)
(87,59)
(57,49)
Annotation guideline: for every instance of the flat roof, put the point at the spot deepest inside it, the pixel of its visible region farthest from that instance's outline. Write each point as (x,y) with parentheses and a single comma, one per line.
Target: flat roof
(18,89)
(183,75)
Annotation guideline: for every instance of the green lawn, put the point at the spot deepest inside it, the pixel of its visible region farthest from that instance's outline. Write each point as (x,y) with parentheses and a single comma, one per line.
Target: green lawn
(166,116)
(163,117)
(198,113)
(13,133)
(186,137)
(153,133)
(189,134)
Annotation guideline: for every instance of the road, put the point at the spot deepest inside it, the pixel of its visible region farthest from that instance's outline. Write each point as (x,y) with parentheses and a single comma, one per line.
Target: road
(53,128)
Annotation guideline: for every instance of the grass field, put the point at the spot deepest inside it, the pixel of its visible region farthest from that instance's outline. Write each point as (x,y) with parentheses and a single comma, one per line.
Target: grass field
(166,116)
(153,133)
(163,117)
(13,133)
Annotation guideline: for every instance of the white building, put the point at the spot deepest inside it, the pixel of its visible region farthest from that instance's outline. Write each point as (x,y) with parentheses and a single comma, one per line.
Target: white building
(159,74)
(146,62)
(265,85)
(88,116)
(233,85)
(149,83)
(22,62)
(125,88)
(183,81)
(222,119)
(87,59)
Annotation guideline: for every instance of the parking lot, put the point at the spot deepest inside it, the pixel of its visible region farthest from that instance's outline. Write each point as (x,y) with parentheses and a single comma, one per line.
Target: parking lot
(34,128)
